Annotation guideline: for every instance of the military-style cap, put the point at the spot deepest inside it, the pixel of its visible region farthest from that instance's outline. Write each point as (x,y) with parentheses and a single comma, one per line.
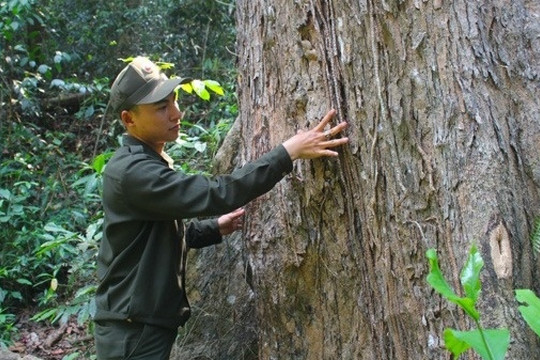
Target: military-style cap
(141,82)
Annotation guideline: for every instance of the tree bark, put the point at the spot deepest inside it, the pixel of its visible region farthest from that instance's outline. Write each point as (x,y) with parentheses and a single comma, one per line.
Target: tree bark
(442,98)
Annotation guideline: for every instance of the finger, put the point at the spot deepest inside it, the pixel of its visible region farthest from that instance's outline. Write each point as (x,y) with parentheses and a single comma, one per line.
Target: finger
(335,142)
(329,153)
(334,131)
(329,115)
(338,128)
(237,213)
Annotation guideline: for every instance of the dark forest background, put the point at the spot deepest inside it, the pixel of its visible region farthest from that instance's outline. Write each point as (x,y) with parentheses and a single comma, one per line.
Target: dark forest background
(57,62)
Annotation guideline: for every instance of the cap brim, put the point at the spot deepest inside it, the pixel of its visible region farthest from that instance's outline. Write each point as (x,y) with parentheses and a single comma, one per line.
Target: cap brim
(185,80)
(162,90)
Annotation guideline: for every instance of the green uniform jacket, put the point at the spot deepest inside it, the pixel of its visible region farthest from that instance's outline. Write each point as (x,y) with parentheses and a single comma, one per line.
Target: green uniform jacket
(141,261)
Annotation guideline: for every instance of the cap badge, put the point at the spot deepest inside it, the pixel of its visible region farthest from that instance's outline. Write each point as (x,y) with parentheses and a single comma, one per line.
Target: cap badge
(147,66)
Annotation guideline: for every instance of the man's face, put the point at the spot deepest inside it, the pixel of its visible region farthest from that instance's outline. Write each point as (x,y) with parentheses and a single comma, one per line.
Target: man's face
(155,124)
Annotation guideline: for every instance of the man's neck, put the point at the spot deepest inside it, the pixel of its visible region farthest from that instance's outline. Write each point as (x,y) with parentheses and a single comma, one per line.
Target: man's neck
(157,147)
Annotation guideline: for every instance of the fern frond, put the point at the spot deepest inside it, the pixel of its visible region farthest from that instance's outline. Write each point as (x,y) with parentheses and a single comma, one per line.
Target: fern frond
(535,237)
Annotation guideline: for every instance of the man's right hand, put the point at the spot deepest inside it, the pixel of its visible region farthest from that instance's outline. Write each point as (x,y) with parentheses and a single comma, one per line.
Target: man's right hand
(316,142)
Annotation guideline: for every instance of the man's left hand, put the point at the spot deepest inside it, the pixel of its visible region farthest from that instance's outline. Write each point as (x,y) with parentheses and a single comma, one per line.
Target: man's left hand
(231,222)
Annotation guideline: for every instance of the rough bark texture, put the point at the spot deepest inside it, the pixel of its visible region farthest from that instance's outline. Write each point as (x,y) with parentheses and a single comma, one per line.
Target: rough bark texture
(442,98)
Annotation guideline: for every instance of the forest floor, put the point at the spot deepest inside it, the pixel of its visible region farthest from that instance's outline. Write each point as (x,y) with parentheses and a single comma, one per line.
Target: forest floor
(52,342)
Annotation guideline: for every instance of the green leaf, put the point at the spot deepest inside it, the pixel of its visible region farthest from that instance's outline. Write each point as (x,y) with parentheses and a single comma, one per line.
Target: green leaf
(24,281)
(89,112)
(44,315)
(5,193)
(100,161)
(200,89)
(90,289)
(530,311)
(49,246)
(497,341)
(164,65)
(16,295)
(214,86)
(436,279)
(454,344)
(467,304)
(71,356)
(187,87)
(52,227)
(470,274)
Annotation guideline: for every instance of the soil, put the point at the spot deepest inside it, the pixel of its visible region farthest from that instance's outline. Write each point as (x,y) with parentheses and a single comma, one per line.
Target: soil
(52,341)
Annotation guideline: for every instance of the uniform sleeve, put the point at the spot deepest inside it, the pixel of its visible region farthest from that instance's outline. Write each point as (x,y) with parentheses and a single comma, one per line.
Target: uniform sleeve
(155,192)
(202,233)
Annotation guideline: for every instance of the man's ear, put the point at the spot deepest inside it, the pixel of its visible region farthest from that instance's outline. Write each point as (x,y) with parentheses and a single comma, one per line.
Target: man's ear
(127,118)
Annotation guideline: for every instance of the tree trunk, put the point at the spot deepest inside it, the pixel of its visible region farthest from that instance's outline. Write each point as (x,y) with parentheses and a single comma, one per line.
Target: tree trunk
(442,98)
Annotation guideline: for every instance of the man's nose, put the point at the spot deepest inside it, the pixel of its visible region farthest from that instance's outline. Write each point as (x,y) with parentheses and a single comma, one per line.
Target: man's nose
(177,114)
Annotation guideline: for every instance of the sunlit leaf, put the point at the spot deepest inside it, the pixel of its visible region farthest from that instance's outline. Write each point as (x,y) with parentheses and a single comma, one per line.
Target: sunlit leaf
(54,284)
(200,146)
(44,315)
(99,162)
(42,69)
(187,88)
(200,89)
(470,274)
(58,83)
(57,57)
(127,60)
(214,86)
(164,65)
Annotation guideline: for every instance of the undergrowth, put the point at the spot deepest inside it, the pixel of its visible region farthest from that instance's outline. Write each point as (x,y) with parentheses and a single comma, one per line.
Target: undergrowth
(54,84)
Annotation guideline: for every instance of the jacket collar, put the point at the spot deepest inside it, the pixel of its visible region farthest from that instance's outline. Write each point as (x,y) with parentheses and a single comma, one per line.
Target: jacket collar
(128,140)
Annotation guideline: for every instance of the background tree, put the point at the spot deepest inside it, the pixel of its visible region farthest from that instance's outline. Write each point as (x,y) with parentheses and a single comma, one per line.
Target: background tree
(442,101)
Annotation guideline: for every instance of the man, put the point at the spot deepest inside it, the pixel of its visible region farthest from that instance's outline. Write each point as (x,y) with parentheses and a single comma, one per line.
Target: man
(141,300)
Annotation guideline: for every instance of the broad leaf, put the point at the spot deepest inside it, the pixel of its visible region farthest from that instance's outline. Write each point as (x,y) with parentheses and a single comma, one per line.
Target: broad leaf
(200,89)
(496,340)
(199,146)
(24,281)
(467,304)
(436,279)
(187,87)
(4,193)
(470,274)
(214,86)
(531,310)
(454,344)
(100,161)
